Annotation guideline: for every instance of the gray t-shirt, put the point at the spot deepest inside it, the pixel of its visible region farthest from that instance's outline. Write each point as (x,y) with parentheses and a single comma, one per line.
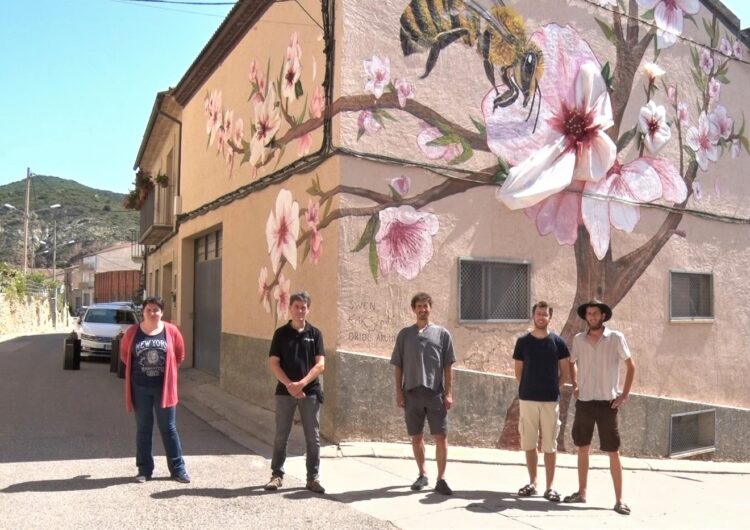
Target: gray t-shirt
(423,355)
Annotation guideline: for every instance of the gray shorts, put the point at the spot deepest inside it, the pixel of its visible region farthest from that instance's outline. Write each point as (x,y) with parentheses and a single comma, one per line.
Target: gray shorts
(421,403)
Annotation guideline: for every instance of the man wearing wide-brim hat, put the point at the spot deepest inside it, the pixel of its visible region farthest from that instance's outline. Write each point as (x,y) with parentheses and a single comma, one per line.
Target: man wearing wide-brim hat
(594,373)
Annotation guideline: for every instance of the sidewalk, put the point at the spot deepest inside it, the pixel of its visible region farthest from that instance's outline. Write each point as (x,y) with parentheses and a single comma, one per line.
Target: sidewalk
(374,478)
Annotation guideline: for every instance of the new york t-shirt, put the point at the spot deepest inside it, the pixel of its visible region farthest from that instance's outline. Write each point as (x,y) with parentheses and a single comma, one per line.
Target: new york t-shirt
(149,358)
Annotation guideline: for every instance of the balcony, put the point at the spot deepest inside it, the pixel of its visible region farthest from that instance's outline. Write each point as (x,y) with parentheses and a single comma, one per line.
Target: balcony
(157,215)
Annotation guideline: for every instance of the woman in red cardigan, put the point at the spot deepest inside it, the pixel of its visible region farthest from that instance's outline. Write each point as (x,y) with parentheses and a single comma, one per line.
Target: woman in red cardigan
(152,352)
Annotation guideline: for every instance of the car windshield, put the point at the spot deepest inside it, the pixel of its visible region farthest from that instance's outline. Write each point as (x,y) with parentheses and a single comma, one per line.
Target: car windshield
(109,316)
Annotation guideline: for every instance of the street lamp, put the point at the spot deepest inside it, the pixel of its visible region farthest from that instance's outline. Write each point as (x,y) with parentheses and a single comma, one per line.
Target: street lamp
(27,217)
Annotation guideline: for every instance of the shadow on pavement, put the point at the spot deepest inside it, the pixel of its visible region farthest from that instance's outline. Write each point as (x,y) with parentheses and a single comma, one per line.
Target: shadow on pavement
(79,483)
(487,501)
(216,493)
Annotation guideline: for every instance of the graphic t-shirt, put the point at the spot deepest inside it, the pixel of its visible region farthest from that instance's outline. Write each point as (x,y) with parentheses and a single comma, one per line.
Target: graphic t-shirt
(149,358)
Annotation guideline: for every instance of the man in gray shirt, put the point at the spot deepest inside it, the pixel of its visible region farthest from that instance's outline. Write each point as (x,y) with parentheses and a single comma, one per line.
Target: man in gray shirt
(423,357)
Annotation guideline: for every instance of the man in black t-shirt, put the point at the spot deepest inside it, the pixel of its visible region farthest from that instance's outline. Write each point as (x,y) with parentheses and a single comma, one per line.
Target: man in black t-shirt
(541,370)
(296,359)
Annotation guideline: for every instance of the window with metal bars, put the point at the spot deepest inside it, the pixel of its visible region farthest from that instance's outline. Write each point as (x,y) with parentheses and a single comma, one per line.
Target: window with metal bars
(691,295)
(692,433)
(493,290)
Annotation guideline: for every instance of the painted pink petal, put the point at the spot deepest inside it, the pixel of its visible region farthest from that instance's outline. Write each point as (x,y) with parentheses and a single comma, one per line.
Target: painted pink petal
(595,213)
(548,171)
(560,215)
(673,185)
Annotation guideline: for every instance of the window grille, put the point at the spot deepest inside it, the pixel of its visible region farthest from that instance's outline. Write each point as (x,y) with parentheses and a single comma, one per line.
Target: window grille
(493,290)
(691,295)
(692,433)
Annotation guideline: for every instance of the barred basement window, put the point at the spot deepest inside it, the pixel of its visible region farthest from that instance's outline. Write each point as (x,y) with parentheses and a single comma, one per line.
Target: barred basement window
(493,290)
(692,433)
(691,295)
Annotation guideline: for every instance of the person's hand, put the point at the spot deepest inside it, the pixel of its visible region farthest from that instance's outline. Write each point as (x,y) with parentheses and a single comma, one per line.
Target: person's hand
(400,401)
(295,389)
(448,400)
(619,400)
(575,391)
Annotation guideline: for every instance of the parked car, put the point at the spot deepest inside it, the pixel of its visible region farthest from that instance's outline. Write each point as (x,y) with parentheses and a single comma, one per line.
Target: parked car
(100,324)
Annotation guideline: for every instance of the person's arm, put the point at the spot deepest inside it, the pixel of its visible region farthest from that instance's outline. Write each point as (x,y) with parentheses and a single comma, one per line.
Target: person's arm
(297,387)
(179,345)
(629,376)
(274,365)
(564,372)
(448,386)
(574,377)
(519,370)
(399,373)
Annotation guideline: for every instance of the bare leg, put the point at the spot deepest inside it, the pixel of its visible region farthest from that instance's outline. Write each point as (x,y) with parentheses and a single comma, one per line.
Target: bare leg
(531,464)
(583,469)
(441,454)
(549,468)
(615,469)
(417,445)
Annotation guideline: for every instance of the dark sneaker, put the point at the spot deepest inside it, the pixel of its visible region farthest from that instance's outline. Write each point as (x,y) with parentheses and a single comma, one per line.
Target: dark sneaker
(140,479)
(315,486)
(183,477)
(441,487)
(420,484)
(273,484)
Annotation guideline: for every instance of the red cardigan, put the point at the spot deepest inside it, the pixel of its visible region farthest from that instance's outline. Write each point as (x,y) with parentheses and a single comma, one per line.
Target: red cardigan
(175,356)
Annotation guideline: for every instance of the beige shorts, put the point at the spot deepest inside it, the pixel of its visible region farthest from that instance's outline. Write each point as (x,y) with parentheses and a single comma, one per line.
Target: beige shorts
(535,416)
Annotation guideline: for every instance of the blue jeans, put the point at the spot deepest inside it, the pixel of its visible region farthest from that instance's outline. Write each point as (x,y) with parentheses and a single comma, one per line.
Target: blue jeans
(309,411)
(146,401)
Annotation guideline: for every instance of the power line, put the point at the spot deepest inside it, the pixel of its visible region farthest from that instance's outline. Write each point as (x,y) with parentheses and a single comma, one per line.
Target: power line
(185,2)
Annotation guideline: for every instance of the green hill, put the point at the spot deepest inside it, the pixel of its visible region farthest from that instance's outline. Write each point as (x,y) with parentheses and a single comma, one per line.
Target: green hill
(92,219)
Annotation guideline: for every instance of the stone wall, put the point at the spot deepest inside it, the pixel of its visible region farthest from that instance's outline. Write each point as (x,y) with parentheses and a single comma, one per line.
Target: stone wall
(360,404)
(28,315)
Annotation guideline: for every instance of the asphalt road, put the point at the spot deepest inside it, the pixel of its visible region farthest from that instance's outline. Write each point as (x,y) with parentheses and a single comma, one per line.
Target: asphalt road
(67,459)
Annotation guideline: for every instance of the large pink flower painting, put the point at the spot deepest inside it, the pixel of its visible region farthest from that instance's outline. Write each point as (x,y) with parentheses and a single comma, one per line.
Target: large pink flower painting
(404,240)
(282,230)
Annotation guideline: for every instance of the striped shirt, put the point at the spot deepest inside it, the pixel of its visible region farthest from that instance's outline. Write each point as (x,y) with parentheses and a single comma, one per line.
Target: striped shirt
(599,364)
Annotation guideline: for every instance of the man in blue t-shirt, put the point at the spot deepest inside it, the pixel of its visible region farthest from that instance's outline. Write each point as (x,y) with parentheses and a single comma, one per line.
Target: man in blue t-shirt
(541,370)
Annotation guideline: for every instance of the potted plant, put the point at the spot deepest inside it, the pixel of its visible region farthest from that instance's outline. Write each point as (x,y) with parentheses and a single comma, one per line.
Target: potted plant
(162,180)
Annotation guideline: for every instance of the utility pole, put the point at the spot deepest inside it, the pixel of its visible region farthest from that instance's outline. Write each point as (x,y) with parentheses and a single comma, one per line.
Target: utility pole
(26,215)
(54,276)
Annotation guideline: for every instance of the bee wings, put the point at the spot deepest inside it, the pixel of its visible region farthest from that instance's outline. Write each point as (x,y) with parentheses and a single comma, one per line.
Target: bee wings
(480,10)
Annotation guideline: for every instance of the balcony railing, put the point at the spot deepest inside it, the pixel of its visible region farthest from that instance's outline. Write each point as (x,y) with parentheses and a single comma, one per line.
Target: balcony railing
(157,215)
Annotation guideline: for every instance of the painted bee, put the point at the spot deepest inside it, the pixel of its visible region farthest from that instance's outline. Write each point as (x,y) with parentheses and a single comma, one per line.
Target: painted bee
(499,35)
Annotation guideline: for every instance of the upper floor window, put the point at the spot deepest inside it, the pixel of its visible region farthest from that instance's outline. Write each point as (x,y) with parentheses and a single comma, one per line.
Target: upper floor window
(691,295)
(493,290)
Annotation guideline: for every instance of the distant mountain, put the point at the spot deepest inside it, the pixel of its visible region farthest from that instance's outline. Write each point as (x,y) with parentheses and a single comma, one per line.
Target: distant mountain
(92,219)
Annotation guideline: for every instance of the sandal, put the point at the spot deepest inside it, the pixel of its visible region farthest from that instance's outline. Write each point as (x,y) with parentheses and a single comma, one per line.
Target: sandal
(552,496)
(622,508)
(575,499)
(527,491)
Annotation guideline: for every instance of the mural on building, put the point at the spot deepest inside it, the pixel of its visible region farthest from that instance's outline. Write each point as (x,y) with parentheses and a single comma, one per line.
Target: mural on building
(548,130)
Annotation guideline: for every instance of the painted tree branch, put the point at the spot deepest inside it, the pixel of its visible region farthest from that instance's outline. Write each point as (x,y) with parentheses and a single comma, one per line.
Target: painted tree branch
(629,54)
(444,189)
(355,103)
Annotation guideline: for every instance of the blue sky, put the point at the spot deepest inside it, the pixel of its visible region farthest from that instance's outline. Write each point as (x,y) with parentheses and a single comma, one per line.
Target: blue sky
(79,79)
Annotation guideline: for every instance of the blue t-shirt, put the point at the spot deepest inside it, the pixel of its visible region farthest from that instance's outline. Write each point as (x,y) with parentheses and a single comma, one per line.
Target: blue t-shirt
(541,368)
(149,358)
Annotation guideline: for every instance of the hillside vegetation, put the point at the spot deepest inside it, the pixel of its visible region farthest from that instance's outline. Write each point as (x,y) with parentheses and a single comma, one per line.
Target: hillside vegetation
(92,219)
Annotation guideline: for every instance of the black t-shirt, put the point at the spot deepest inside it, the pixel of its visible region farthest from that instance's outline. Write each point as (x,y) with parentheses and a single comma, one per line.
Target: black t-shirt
(541,369)
(149,358)
(297,351)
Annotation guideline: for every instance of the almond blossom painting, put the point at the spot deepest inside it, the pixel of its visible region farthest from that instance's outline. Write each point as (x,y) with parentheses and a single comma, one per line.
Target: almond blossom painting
(579,137)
